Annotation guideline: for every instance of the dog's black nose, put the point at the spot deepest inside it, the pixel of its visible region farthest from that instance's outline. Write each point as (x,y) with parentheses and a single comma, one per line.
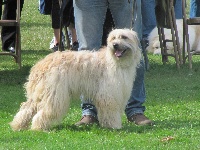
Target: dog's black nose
(116,46)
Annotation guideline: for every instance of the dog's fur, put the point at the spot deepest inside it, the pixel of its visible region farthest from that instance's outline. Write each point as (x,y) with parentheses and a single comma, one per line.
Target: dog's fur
(104,77)
(194,38)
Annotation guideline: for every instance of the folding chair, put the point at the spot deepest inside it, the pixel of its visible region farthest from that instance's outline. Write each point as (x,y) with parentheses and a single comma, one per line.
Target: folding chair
(186,44)
(17,54)
(165,18)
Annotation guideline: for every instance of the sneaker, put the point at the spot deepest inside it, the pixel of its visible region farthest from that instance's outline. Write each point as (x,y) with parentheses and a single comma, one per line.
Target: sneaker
(87,119)
(53,39)
(55,48)
(140,119)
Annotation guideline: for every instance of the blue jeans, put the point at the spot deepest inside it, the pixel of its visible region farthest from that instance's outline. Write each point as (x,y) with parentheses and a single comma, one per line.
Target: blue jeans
(178,9)
(90,16)
(194,8)
(89,19)
(148,17)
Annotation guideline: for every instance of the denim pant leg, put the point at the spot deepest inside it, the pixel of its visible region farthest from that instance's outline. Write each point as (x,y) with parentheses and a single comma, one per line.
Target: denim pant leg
(121,11)
(148,16)
(194,8)
(89,19)
(138,94)
(178,9)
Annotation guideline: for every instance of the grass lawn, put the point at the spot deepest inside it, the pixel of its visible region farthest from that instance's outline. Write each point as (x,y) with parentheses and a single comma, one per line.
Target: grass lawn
(173,102)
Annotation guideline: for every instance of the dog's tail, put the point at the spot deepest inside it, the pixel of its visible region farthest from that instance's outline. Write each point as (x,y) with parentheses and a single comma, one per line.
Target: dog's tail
(23,117)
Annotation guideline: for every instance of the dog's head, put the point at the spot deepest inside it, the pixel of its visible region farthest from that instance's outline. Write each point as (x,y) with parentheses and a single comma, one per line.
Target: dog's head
(154,46)
(123,43)
(154,43)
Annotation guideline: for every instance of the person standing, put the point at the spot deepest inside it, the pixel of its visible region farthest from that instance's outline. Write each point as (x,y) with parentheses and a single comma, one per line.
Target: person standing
(89,20)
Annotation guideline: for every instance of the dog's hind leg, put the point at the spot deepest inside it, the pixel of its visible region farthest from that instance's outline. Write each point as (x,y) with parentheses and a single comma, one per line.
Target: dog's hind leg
(23,117)
(53,111)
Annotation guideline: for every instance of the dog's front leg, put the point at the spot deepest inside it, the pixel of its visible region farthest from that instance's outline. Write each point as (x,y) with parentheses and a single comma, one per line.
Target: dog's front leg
(109,115)
(110,119)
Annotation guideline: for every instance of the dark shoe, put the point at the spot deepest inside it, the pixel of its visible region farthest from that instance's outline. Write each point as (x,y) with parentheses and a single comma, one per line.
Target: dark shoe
(55,47)
(75,46)
(87,119)
(140,119)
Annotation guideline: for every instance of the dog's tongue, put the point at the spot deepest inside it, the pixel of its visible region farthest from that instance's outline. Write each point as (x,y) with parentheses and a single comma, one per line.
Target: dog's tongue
(118,53)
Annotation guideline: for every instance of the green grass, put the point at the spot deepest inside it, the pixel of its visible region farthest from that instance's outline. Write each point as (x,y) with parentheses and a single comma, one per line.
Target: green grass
(172,102)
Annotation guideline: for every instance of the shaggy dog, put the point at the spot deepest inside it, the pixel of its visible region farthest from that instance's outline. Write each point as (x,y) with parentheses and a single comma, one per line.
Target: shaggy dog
(194,38)
(104,77)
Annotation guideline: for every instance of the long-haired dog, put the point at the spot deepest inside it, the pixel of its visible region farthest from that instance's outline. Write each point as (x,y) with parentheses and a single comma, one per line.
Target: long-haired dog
(104,77)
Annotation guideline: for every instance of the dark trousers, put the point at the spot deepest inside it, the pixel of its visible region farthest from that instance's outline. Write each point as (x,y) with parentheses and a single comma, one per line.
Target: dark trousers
(8,33)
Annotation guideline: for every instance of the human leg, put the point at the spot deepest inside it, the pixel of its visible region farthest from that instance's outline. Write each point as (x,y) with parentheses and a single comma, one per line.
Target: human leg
(178,9)
(125,12)
(135,109)
(55,17)
(89,19)
(148,16)
(138,94)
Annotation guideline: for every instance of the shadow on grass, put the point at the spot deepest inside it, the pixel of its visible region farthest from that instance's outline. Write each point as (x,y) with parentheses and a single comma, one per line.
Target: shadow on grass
(132,128)
(127,127)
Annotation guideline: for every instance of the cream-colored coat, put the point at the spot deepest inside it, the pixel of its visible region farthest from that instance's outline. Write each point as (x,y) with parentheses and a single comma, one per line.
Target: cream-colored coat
(103,77)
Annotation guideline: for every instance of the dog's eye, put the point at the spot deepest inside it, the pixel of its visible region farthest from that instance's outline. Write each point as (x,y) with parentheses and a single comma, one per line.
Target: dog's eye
(124,37)
(113,38)
(157,47)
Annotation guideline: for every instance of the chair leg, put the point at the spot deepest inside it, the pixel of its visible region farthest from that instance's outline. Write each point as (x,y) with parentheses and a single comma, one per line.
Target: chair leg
(189,54)
(163,45)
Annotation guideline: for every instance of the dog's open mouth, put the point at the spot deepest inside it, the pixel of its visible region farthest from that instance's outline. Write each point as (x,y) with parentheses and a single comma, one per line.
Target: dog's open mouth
(119,52)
